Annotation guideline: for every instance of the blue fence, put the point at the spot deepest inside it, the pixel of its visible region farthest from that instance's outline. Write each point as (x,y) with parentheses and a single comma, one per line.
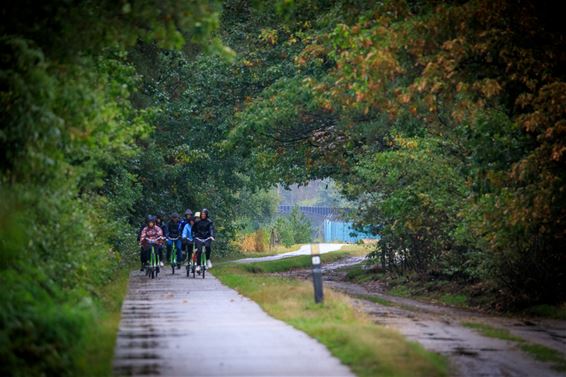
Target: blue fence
(343,232)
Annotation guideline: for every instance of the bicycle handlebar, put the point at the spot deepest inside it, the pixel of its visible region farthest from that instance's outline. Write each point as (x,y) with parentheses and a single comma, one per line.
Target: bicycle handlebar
(200,239)
(153,241)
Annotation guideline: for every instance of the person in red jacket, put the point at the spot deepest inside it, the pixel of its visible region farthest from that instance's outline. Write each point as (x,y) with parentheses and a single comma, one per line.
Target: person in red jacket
(151,235)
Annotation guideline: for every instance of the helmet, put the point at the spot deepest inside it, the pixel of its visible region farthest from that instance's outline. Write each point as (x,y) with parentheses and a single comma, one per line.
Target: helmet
(174,215)
(188,212)
(151,218)
(205,211)
(197,215)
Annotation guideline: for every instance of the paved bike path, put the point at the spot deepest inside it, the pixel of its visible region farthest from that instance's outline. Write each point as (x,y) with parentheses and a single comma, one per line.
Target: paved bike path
(176,326)
(323,248)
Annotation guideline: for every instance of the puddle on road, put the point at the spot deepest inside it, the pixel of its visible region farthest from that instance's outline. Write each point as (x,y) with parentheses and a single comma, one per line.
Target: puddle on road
(142,370)
(140,356)
(142,344)
(465,352)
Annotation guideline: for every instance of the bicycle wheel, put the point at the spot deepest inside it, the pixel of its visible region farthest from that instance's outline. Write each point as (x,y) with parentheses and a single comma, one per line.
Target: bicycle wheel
(188,271)
(173,268)
(153,272)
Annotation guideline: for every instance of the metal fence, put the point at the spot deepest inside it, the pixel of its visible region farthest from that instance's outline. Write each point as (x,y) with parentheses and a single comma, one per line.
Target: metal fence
(326,212)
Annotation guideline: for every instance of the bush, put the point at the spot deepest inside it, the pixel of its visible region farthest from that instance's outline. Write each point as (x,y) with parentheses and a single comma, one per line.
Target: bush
(296,228)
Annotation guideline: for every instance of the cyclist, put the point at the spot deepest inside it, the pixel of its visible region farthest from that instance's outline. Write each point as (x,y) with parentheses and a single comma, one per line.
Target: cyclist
(187,235)
(188,247)
(173,233)
(204,230)
(151,235)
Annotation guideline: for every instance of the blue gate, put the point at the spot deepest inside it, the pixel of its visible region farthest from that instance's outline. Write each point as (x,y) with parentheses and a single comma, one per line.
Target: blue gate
(343,232)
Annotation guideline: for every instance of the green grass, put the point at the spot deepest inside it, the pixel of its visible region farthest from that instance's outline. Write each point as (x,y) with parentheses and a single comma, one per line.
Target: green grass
(537,351)
(356,249)
(454,299)
(367,348)
(492,332)
(376,299)
(400,291)
(96,352)
(357,274)
(548,311)
(545,354)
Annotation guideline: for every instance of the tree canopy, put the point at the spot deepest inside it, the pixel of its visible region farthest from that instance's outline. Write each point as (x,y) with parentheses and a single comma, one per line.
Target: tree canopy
(442,122)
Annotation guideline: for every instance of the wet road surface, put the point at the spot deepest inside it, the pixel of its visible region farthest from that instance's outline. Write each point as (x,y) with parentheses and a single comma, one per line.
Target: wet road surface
(176,326)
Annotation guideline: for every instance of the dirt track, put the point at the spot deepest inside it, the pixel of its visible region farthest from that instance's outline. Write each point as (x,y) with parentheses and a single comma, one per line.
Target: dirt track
(439,328)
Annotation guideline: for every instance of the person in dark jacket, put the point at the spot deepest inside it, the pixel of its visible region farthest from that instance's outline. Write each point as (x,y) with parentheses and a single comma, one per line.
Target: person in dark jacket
(173,234)
(203,234)
(160,222)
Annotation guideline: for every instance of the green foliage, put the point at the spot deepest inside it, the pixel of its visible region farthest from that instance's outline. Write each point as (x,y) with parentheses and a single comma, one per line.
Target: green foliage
(284,231)
(68,144)
(421,193)
(293,229)
(300,226)
(443,124)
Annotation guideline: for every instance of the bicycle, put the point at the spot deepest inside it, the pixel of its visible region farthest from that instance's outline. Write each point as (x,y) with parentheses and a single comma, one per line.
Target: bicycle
(200,246)
(191,266)
(173,256)
(153,268)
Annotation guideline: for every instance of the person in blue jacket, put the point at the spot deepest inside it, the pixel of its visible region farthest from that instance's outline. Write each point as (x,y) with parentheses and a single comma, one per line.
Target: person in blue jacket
(187,236)
(187,246)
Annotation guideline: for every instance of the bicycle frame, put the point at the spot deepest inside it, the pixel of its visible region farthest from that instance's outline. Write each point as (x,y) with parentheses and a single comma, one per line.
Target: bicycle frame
(202,249)
(173,256)
(191,263)
(153,269)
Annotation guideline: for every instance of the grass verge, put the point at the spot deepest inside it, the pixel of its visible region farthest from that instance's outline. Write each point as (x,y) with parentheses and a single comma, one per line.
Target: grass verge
(292,263)
(548,311)
(368,349)
(97,349)
(538,351)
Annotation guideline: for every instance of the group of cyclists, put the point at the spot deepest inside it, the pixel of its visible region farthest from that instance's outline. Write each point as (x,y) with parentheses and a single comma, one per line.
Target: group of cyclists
(192,232)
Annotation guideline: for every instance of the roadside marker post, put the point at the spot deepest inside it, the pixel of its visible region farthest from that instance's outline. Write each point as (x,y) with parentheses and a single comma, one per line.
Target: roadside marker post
(316,274)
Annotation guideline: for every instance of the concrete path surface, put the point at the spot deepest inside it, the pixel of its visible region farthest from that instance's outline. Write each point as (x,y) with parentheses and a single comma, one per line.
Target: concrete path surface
(176,326)
(304,250)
